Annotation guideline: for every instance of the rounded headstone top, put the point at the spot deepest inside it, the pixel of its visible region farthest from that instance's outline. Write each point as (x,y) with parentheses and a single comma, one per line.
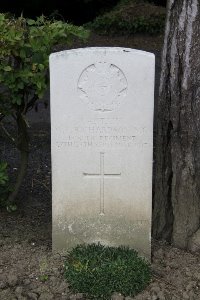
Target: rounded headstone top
(101,49)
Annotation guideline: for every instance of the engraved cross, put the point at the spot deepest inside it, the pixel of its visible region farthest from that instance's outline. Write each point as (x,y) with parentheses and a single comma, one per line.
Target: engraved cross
(102,175)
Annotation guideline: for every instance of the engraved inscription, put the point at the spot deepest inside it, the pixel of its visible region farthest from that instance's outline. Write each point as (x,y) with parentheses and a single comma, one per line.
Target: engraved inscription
(102,175)
(101,133)
(102,86)
(97,141)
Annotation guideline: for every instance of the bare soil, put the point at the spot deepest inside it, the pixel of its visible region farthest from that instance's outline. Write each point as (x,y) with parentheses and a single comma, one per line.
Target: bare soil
(28,268)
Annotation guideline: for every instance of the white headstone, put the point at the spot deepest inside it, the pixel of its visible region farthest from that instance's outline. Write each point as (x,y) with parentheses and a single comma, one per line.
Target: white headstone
(102,141)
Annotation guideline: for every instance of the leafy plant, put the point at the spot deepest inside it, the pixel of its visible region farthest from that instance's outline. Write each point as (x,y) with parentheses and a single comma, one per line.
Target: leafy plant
(99,271)
(3,173)
(4,183)
(131,16)
(25,46)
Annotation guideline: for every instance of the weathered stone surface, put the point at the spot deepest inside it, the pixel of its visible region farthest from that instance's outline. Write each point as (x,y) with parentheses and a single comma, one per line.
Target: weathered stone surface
(102,129)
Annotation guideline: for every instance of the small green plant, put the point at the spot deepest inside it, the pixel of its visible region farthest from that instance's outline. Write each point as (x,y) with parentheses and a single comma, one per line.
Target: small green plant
(43,270)
(44,277)
(99,271)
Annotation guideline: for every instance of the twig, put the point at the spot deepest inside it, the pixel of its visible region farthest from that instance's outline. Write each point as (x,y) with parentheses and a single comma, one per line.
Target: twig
(2,116)
(8,135)
(46,187)
(31,103)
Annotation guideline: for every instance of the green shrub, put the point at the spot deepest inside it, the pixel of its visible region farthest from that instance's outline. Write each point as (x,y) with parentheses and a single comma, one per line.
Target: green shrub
(24,58)
(131,17)
(25,46)
(99,271)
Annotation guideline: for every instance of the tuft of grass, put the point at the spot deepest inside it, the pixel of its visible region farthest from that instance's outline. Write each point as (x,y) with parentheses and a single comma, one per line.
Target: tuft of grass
(98,271)
(131,16)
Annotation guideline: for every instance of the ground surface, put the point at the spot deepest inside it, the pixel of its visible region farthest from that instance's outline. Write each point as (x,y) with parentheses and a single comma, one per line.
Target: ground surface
(28,269)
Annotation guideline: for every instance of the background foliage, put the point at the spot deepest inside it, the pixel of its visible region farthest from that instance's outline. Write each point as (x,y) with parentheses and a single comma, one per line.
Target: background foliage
(131,16)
